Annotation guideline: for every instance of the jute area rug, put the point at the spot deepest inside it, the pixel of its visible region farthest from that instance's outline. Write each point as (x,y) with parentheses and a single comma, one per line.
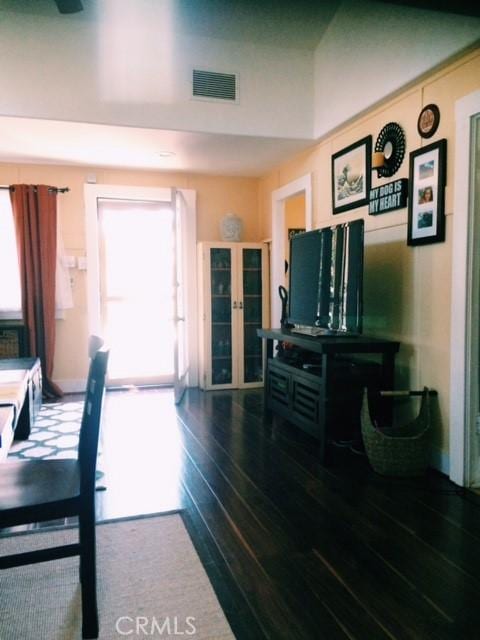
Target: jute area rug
(150,584)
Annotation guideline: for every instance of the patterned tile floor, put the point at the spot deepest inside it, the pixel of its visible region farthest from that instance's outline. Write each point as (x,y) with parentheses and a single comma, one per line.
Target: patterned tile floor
(54,435)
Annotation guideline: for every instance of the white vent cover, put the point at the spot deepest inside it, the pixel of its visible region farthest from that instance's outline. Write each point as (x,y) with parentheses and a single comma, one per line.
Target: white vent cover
(213,85)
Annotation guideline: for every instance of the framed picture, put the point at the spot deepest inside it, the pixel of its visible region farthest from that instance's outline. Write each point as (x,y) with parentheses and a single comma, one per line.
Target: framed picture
(351,175)
(426,196)
(428,120)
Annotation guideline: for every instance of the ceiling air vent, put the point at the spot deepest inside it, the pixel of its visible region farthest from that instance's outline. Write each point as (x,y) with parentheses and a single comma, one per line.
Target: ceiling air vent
(213,85)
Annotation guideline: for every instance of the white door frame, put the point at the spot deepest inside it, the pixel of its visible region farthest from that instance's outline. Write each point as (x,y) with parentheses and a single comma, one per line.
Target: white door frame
(92,192)
(461,311)
(277,266)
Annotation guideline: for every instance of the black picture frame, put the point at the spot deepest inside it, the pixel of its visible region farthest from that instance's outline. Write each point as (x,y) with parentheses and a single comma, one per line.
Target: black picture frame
(352,176)
(426,195)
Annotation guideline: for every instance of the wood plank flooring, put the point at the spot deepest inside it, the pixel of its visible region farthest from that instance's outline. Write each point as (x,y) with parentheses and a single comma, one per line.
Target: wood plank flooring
(294,549)
(298,550)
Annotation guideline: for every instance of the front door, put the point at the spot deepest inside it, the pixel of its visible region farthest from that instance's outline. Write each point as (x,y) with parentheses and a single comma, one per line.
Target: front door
(474,440)
(137,290)
(181,367)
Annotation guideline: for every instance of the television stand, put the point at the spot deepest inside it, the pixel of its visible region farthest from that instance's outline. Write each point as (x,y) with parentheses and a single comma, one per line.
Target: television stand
(322,396)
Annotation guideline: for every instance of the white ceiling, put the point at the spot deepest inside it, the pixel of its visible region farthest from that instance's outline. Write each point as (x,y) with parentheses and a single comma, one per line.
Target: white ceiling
(272,22)
(26,140)
(297,24)
(291,25)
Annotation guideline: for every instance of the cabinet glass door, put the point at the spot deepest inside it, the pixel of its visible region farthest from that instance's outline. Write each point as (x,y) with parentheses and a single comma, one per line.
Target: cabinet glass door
(252,314)
(221,313)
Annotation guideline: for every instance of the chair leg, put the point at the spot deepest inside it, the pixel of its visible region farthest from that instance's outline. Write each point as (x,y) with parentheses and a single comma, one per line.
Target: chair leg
(88,576)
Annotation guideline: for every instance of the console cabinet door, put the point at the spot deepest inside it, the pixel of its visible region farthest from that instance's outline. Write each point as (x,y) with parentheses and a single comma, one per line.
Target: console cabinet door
(232,293)
(251,310)
(219,331)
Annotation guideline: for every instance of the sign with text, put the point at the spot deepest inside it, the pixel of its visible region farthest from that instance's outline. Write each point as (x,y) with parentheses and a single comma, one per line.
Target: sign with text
(388,197)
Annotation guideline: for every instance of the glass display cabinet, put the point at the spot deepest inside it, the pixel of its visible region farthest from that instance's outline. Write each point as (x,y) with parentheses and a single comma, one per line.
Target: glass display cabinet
(233,296)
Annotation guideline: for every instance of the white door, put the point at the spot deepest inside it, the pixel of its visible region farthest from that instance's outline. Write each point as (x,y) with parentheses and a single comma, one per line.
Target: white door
(179,290)
(136,286)
(464,450)
(474,445)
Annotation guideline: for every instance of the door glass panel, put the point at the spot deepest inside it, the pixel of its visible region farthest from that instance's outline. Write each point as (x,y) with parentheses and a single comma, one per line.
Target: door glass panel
(252,314)
(137,251)
(221,294)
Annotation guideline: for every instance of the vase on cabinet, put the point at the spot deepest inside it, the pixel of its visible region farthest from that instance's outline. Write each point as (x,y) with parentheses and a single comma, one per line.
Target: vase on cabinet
(231,228)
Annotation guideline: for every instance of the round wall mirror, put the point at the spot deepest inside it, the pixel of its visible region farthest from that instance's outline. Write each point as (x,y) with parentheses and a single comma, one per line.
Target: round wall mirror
(388,150)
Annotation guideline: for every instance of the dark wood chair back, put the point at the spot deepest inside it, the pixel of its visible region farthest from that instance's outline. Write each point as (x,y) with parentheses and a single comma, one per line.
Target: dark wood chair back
(90,426)
(42,490)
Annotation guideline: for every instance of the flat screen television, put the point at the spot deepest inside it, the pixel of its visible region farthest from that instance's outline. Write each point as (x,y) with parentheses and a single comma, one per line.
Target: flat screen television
(326,280)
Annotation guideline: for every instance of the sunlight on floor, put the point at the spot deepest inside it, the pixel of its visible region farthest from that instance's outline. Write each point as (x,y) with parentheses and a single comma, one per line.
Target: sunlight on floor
(143,453)
(144,353)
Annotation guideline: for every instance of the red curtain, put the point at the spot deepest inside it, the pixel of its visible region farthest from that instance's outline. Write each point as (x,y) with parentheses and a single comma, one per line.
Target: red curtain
(35,215)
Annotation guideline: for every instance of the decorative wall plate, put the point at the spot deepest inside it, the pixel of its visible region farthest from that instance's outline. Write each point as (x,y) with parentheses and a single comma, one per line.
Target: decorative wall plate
(428,120)
(391,142)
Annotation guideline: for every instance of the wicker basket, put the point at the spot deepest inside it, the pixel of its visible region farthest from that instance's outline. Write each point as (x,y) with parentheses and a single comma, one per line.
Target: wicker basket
(398,451)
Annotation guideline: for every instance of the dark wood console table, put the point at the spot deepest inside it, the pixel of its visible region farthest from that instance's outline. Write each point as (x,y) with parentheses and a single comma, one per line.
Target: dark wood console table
(33,397)
(313,391)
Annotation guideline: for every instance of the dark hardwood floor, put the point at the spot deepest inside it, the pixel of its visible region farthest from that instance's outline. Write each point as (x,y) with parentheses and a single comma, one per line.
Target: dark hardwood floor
(294,549)
(298,550)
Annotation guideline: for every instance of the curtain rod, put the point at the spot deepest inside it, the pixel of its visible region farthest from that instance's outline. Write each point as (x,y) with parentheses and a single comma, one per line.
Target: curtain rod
(57,189)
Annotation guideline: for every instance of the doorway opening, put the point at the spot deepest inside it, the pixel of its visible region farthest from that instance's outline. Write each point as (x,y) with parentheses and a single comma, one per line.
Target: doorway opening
(158,272)
(465,319)
(299,193)
(136,290)
(294,223)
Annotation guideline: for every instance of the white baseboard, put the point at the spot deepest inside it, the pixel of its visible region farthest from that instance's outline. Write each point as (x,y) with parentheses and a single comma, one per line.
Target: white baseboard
(72,386)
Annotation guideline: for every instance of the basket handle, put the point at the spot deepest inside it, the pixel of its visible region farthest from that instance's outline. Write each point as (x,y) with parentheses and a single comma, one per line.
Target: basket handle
(406,394)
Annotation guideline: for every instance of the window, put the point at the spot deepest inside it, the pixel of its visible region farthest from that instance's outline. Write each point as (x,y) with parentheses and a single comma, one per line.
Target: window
(10,293)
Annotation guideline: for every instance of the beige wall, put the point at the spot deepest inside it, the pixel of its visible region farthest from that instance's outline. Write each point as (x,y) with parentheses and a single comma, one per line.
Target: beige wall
(294,218)
(216,196)
(406,289)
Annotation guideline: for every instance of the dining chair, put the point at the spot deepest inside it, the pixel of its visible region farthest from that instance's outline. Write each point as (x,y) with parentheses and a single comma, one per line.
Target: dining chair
(42,490)
(94,344)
